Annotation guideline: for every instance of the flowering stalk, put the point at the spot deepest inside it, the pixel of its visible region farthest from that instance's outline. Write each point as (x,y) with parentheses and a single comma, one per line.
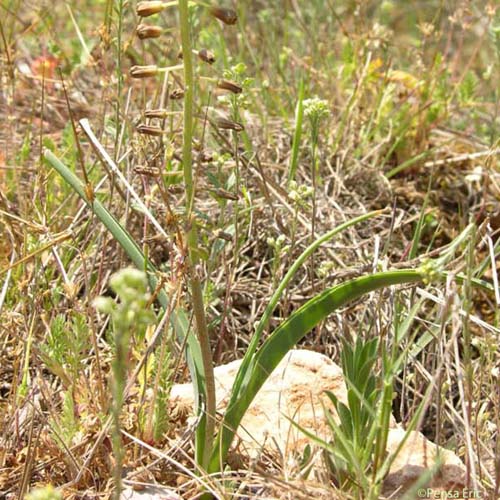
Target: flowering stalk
(130,316)
(119,72)
(315,109)
(206,427)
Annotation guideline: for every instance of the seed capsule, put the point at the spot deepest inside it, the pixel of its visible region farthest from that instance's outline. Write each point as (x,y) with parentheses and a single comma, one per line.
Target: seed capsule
(227,16)
(148,171)
(223,236)
(146,9)
(144,31)
(222,193)
(156,113)
(206,156)
(176,94)
(230,85)
(207,56)
(203,54)
(149,130)
(143,71)
(226,124)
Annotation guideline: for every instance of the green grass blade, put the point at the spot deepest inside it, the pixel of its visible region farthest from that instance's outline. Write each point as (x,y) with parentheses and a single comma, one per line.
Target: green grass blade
(420,224)
(297,134)
(284,338)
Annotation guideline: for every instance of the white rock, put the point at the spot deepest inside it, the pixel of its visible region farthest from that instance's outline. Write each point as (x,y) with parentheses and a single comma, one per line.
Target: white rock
(149,493)
(295,390)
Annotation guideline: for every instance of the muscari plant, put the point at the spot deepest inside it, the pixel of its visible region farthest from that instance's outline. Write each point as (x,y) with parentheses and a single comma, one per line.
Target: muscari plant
(213,437)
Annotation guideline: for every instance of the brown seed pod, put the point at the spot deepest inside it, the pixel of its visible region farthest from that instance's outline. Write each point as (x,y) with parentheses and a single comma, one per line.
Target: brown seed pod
(144,31)
(206,56)
(156,113)
(222,193)
(176,155)
(177,94)
(143,71)
(223,236)
(149,130)
(206,156)
(225,124)
(203,54)
(148,171)
(227,16)
(230,85)
(146,9)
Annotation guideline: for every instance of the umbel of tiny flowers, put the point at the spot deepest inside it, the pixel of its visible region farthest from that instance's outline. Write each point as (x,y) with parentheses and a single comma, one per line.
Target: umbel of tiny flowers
(130,285)
(315,109)
(280,250)
(278,245)
(431,270)
(299,194)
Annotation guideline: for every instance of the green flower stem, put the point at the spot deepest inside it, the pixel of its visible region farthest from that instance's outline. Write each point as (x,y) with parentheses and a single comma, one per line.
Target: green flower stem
(205,431)
(118,383)
(119,73)
(187,156)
